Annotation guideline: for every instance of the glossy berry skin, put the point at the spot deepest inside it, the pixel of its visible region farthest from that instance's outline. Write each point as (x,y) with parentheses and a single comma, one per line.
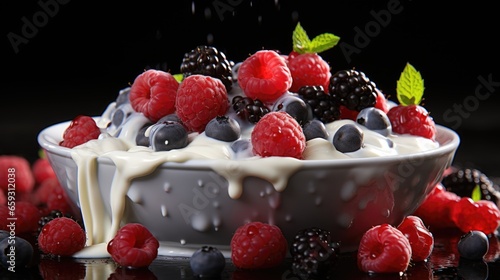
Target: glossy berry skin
(223,128)
(20,248)
(200,99)
(348,138)
(473,245)
(315,129)
(308,69)
(295,107)
(42,170)
(412,119)
(374,119)
(61,237)
(435,210)
(384,249)
(168,136)
(133,246)
(421,239)
(207,262)
(278,134)
(482,215)
(153,94)
(258,245)
(265,76)
(80,130)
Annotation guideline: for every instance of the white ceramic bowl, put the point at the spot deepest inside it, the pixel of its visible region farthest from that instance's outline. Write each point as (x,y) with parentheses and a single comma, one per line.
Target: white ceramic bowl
(188,203)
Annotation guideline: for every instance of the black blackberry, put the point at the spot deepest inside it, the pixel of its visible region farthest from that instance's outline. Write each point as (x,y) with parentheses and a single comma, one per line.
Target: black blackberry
(207,60)
(323,106)
(249,109)
(313,253)
(462,181)
(353,89)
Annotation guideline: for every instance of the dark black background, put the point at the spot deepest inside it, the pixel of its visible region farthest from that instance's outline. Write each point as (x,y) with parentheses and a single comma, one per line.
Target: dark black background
(78,58)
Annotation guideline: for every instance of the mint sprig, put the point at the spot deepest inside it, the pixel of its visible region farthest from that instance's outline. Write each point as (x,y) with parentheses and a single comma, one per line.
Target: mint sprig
(476,193)
(410,86)
(302,43)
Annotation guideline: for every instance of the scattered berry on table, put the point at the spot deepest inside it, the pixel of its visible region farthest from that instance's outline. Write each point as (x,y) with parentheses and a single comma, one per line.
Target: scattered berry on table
(482,215)
(26,214)
(207,262)
(20,248)
(421,239)
(258,245)
(17,168)
(473,245)
(471,182)
(348,138)
(264,75)
(223,128)
(278,134)
(409,117)
(249,109)
(81,130)
(153,93)
(353,89)
(435,210)
(167,136)
(42,170)
(294,106)
(384,249)
(199,99)
(323,106)
(133,246)
(375,119)
(208,61)
(313,252)
(314,129)
(61,236)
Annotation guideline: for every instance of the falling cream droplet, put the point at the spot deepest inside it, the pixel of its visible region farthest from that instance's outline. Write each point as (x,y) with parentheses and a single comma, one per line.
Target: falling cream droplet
(164,210)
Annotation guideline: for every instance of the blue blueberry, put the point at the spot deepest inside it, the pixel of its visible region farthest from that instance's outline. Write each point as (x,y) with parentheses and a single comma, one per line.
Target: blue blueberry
(295,107)
(375,119)
(141,139)
(3,234)
(223,128)
(207,262)
(473,245)
(315,129)
(348,138)
(170,118)
(168,136)
(15,252)
(121,114)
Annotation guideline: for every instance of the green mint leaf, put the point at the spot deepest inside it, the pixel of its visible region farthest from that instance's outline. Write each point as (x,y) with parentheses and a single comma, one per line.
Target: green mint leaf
(476,193)
(410,86)
(179,77)
(300,40)
(323,42)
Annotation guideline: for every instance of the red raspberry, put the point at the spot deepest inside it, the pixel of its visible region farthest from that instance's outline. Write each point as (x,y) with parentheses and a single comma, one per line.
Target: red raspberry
(308,69)
(44,190)
(42,170)
(264,76)
(26,216)
(482,215)
(421,239)
(257,245)
(278,134)
(412,119)
(380,103)
(435,210)
(384,249)
(58,200)
(200,98)
(133,246)
(153,94)
(61,237)
(80,130)
(15,174)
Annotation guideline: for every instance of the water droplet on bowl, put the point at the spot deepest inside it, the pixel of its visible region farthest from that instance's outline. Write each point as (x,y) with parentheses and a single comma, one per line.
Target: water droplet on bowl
(163,210)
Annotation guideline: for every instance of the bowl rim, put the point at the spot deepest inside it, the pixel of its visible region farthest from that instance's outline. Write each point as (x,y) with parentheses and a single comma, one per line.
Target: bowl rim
(448,141)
